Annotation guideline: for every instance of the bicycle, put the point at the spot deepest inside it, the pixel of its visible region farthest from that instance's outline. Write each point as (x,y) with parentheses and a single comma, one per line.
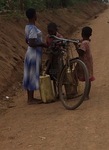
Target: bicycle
(67,86)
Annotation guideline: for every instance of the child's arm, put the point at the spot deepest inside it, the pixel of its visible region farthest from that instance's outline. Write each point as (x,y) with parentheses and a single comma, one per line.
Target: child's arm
(33,43)
(80,52)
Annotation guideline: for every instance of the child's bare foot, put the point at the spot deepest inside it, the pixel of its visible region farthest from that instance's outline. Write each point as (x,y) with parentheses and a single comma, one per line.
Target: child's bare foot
(34,101)
(86,98)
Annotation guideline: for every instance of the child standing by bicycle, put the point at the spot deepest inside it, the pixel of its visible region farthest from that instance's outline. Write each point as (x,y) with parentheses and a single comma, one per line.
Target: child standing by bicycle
(54,56)
(53,63)
(84,51)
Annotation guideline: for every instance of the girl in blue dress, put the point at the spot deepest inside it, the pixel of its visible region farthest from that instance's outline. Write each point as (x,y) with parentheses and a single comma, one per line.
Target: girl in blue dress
(32,61)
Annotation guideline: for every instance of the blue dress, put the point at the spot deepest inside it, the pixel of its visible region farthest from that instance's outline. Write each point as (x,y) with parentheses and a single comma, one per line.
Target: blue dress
(32,59)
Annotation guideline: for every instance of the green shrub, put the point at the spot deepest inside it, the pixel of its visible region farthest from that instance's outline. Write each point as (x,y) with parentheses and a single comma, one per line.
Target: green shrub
(38,4)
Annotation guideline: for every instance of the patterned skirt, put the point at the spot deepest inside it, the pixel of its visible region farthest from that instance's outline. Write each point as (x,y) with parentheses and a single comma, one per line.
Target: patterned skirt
(32,65)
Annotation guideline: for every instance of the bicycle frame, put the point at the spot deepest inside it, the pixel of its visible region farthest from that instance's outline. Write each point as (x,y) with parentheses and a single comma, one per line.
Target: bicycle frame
(66,84)
(64,53)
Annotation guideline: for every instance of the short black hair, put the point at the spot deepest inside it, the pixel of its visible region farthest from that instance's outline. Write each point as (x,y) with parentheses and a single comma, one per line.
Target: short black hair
(30,13)
(86,31)
(52,26)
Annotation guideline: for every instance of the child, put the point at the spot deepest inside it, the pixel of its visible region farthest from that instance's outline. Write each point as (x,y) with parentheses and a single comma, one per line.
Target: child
(53,63)
(85,55)
(53,57)
(33,56)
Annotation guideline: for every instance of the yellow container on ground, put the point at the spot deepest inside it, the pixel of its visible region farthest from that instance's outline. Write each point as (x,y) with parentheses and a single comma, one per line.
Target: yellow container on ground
(46,90)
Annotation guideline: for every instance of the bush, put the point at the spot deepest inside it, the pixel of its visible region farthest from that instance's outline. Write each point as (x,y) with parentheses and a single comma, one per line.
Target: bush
(38,4)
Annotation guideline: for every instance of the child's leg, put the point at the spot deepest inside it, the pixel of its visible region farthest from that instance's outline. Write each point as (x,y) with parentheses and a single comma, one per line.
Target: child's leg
(87,96)
(31,99)
(55,89)
(30,95)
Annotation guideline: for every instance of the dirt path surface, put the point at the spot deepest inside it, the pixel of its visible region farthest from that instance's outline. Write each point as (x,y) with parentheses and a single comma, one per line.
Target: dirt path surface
(51,126)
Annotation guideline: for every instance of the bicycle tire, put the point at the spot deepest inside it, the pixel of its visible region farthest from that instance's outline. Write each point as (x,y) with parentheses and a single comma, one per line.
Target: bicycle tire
(76,100)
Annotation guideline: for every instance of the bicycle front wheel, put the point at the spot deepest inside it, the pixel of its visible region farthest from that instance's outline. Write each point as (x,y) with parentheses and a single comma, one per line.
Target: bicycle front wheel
(73,90)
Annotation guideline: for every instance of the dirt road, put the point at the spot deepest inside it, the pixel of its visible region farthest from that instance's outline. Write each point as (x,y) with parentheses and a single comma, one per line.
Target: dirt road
(51,126)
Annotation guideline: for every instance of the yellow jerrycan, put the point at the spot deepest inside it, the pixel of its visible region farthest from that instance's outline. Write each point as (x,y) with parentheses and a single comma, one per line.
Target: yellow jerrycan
(46,89)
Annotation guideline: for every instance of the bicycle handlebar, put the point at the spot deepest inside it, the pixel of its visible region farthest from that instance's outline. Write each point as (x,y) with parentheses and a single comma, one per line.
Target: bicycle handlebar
(65,40)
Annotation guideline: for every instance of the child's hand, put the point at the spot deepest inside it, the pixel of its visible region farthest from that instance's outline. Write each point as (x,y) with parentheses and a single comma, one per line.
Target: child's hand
(44,45)
(76,45)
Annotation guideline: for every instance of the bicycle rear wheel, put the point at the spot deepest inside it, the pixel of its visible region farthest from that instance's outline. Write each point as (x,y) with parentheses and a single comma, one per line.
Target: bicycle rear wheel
(72,91)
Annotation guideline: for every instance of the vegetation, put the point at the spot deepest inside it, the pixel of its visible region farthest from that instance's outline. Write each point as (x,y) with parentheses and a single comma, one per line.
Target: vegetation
(38,4)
